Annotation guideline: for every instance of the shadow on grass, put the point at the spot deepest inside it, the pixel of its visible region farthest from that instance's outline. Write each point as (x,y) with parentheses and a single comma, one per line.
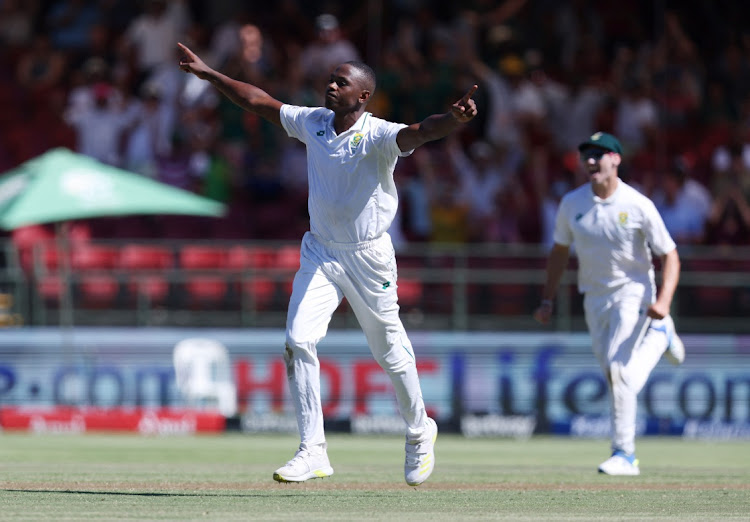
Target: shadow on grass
(151,494)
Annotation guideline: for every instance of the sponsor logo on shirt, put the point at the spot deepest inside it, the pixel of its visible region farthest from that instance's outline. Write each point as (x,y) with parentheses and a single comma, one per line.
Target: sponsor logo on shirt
(356,140)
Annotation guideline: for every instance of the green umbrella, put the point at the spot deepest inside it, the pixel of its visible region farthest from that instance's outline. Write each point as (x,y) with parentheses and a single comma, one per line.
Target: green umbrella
(61,185)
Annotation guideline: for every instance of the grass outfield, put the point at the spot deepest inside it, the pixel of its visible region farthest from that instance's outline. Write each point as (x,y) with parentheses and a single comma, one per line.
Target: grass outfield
(228,477)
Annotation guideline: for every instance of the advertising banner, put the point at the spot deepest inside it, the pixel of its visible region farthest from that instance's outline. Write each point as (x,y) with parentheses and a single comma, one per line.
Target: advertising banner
(481,384)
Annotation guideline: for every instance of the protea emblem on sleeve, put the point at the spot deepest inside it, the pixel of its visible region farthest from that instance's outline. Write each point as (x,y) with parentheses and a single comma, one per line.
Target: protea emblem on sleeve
(356,140)
(622,217)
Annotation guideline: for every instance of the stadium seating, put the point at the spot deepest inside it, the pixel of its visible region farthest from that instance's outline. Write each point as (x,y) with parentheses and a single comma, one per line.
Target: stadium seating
(205,283)
(147,264)
(92,266)
(256,289)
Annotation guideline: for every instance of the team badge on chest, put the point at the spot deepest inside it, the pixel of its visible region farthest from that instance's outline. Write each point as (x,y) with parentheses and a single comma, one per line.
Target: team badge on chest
(355,141)
(622,218)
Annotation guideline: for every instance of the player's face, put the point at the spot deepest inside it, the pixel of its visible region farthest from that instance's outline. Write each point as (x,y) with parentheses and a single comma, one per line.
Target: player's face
(344,91)
(600,164)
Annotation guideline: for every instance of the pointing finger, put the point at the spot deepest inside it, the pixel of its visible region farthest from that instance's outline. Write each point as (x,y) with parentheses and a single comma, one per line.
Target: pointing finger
(185,50)
(470,93)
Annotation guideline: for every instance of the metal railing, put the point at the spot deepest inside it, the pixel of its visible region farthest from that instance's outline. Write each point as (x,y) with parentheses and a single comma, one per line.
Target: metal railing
(441,287)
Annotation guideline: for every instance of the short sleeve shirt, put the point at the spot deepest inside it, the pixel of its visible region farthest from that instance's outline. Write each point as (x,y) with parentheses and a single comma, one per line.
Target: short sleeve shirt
(352,195)
(613,237)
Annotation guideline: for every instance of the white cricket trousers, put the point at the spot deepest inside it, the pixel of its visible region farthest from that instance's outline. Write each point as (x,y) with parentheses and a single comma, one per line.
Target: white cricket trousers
(365,273)
(627,351)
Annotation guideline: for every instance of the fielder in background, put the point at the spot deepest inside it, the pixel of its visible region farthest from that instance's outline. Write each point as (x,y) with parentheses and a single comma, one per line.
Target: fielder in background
(348,253)
(615,229)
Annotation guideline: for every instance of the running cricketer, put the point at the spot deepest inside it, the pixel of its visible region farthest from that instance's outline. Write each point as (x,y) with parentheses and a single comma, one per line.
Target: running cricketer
(615,229)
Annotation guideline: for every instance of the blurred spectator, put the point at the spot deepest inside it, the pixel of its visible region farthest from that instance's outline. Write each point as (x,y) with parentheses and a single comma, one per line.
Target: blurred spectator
(684,203)
(573,109)
(550,200)
(527,104)
(412,178)
(637,118)
(17,23)
(718,110)
(729,220)
(448,214)
(41,68)
(329,49)
(93,71)
(116,15)
(576,19)
(505,223)
(737,144)
(482,176)
(225,38)
(69,23)
(502,128)
(100,129)
(173,168)
(150,136)
(152,36)
(733,70)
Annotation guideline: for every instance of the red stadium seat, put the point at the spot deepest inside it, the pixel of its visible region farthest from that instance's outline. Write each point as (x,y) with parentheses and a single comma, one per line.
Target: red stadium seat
(242,257)
(146,257)
(409,292)
(287,257)
(25,239)
(287,260)
(259,290)
(94,257)
(147,263)
(50,288)
(99,290)
(201,288)
(203,257)
(92,265)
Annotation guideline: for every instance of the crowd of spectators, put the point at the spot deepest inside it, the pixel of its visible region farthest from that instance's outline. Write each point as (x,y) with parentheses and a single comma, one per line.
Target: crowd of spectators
(673,83)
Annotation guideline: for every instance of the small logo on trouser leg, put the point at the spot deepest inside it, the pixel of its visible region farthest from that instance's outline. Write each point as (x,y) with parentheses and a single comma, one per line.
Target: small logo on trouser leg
(288,356)
(386,284)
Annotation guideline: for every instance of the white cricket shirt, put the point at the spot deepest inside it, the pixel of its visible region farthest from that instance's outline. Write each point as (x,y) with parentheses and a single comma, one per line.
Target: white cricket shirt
(352,195)
(613,237)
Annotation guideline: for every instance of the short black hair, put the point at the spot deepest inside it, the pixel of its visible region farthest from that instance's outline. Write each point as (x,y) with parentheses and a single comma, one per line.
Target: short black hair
(368,74)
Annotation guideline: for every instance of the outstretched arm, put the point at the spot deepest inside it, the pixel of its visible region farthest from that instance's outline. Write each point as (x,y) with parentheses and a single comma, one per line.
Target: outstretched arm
(438,125)
(245,95)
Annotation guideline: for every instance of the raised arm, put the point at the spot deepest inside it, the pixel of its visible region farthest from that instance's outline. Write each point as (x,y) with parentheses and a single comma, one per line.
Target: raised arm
(245,95)
(438,125)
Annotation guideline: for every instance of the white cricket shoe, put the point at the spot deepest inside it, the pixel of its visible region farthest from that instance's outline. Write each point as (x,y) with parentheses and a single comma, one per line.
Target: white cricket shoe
(675,352)
(420,457)
(304,466)
(620,463)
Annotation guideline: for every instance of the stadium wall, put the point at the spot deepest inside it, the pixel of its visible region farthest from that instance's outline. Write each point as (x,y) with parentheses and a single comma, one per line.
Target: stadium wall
(479,384)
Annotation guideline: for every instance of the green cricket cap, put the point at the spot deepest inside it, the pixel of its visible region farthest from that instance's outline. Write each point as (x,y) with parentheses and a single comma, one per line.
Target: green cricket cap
(603,141)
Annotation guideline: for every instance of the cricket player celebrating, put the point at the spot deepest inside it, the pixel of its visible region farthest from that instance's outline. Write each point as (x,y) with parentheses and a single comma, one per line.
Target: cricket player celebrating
(615,229)
(348,253)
